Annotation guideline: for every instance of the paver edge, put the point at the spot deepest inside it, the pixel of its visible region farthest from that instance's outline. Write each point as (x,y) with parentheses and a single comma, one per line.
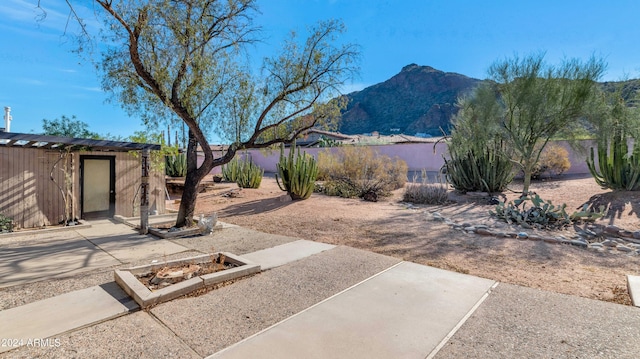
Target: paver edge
(455,329)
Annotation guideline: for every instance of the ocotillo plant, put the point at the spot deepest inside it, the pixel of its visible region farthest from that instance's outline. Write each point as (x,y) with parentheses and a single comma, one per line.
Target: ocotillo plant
(296,173)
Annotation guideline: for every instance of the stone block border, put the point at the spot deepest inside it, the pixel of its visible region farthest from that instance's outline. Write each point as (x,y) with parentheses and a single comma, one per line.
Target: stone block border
(601,239)
(127,280)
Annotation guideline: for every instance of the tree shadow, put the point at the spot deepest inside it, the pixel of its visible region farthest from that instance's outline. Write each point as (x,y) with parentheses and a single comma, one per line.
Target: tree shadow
(616,204)
(254,207)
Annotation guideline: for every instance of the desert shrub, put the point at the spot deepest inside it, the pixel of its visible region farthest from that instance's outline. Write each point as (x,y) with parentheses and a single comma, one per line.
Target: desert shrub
(176,165)
(360,172)
(6,224)
(425,191)
(541,213)
(554,160)
(243,172)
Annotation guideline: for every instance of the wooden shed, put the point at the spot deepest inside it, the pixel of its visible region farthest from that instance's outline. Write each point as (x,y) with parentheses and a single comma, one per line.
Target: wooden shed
(45,180)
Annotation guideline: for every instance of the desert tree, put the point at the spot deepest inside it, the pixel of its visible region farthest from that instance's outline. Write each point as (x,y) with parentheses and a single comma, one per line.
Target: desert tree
(67,127)
(541,102)
(187,59)
(479,156)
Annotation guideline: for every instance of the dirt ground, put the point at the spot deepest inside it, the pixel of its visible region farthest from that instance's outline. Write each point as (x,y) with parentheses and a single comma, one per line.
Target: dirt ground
(392,228)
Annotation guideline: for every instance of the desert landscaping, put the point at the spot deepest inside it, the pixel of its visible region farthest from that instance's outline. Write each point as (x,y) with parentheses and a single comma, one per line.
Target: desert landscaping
(412,233)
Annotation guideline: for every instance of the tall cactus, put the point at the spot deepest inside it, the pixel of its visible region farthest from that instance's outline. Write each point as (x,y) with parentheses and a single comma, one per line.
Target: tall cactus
(297,173)
(616,168)
(176,166)
(243,172)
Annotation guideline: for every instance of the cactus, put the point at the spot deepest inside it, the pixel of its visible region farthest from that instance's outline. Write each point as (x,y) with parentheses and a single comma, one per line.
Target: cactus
(243,172)
(541,213)
(485,170)
(250,175)
(176,166)
(616,168)
(296,173)
(231,170)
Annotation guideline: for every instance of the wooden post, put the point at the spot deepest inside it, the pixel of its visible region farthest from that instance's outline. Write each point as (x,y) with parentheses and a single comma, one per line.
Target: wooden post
(144,193)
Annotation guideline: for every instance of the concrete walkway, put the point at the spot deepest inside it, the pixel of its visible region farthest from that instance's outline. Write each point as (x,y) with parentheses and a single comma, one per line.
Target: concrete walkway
(403,312)
(316,301)
(57,315)
(62,254)
(90,306)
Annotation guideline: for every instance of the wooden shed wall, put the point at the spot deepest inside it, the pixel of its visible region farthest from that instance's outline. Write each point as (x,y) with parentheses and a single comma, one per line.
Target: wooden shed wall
(28,195)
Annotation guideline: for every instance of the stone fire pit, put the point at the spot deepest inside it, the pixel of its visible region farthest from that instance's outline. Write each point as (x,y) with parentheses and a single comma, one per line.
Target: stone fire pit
(128,278)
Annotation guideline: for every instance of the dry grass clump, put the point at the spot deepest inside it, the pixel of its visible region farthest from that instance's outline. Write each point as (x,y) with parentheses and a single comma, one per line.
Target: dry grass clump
(360,172)
(425,191)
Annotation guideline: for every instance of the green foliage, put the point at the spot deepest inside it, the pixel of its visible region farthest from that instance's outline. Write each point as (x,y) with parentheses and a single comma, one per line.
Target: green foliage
(487,170)
(158,158)
(188,61)
(231,170)
(341,187)
(541,213)
(425,192)
(616,169)
(6,224)
(618,165)
(554,160)
(68,127)
(243,172)
(360,172)
(479,159)
(176,165)
(328,142)
(297,173)
(539,102)
(250,175)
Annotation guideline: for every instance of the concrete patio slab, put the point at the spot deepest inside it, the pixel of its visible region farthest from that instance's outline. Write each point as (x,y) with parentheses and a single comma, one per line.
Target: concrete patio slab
(57,315)
(286,253)
(404,312)
(520,322)
(237,311)
(633,285)
(37,260)
(133,247)
(105,227)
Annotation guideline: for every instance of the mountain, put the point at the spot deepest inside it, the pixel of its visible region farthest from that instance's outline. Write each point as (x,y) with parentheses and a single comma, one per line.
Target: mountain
(420,99)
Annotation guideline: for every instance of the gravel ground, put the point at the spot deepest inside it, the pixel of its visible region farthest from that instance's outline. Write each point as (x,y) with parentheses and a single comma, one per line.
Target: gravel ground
(136,335)
(236,240)
(519,322)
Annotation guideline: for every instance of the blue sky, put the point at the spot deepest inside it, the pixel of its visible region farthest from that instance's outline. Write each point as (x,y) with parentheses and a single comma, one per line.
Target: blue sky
(41,78)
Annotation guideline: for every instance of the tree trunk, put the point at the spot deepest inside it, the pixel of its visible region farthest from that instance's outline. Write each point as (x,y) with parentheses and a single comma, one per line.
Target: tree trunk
(191,183)
(528,170)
